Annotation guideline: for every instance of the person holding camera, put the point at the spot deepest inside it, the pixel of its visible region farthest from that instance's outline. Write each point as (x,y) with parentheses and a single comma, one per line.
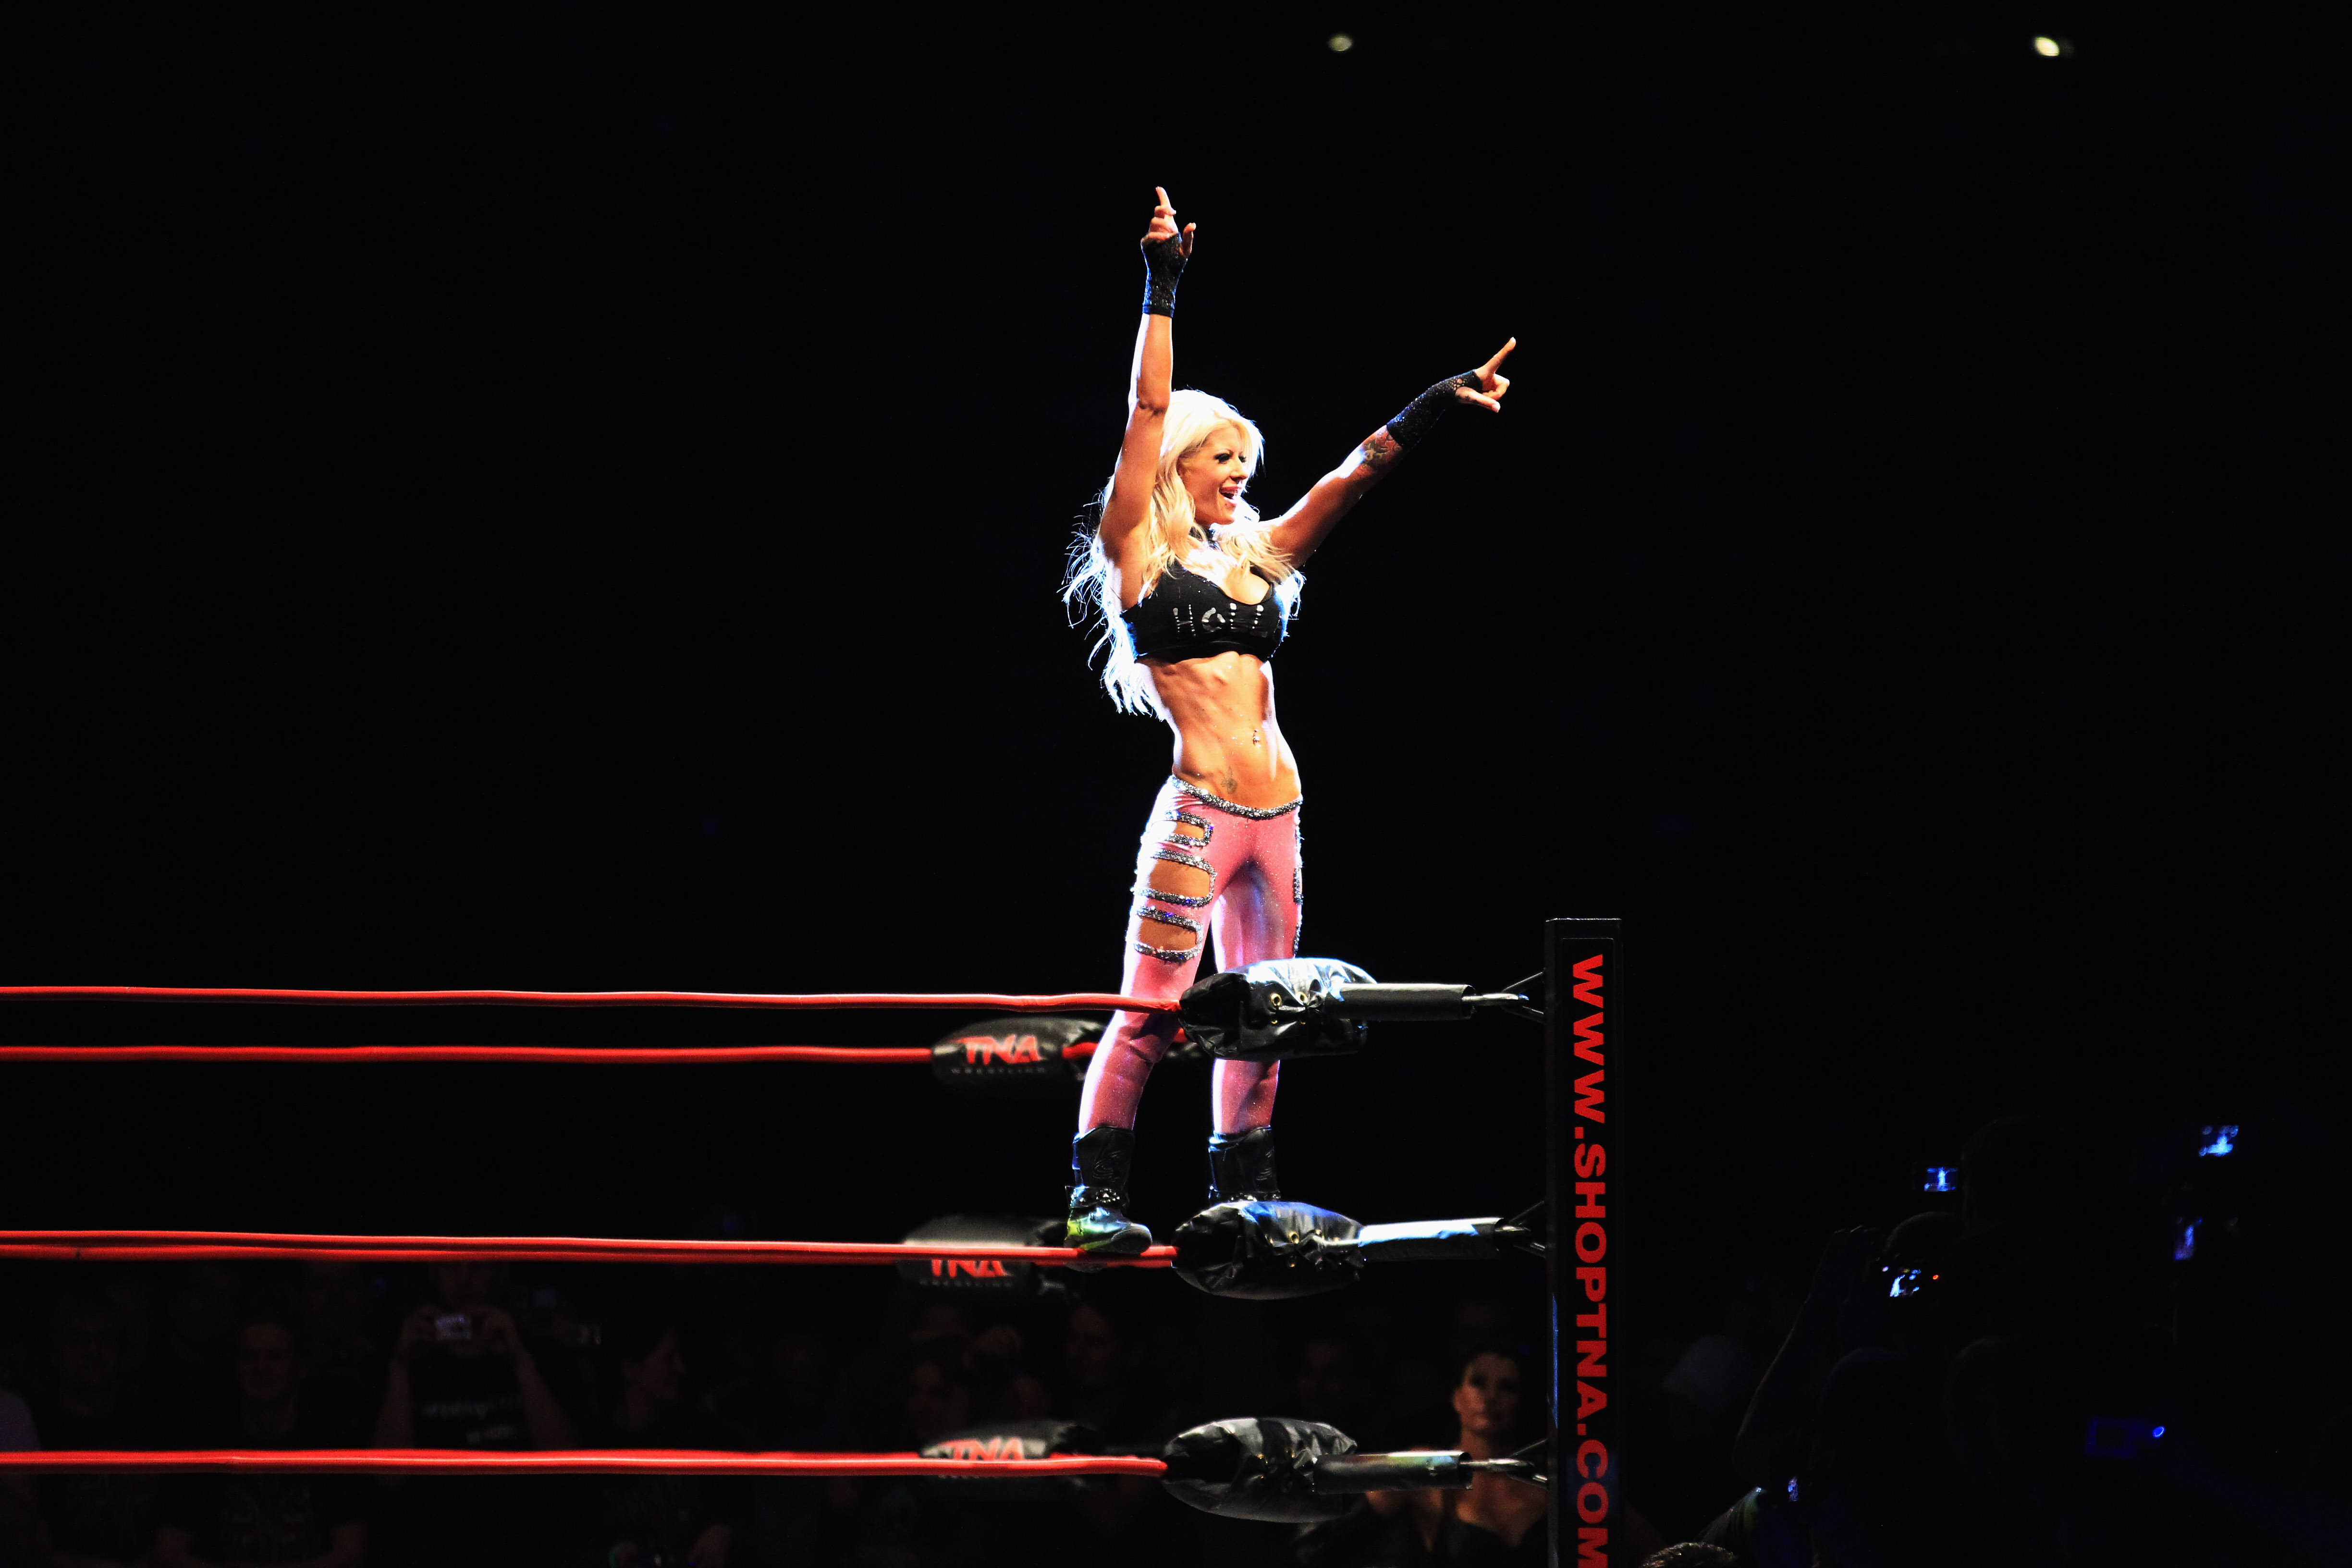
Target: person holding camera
(463,1374)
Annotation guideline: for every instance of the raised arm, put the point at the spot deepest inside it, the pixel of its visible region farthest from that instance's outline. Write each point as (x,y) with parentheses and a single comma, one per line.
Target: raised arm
(1298,532)
(1165,251)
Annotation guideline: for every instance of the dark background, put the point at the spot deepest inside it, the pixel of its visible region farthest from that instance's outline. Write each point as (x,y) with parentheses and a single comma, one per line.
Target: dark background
(560,500)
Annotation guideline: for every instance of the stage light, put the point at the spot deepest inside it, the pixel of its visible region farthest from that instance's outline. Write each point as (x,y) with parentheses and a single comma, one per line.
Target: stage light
(1341,43)
(2052,48)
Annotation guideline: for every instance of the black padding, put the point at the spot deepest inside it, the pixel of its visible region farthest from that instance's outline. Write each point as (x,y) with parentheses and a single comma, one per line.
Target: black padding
(1273,1010)
(1367,1003)
(1428,1470)
(1005,1278)
(1267,1251)
(1022,1055)
(1261,1469)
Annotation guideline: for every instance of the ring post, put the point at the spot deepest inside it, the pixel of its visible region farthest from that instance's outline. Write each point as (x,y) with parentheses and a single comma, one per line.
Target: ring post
(1584,1099)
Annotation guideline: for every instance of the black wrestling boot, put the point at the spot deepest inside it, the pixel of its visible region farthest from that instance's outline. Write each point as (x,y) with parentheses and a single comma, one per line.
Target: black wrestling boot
(1102,1159)
(1241,1168)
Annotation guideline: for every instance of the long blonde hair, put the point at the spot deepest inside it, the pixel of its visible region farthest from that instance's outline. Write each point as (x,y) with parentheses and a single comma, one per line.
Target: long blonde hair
(1173,537)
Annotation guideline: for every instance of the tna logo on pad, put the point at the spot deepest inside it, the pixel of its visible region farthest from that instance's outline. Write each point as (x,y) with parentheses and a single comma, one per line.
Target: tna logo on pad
(983,1448)
(979,1049)
(969,1268)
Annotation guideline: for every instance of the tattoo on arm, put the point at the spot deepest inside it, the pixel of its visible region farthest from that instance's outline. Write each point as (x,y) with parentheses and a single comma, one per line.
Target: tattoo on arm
(1380,450)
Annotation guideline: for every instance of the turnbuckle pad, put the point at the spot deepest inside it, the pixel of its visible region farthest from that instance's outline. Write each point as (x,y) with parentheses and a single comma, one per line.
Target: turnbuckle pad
(1018,1057)
(1261,1469)
(1277,1008)
(1268,1251)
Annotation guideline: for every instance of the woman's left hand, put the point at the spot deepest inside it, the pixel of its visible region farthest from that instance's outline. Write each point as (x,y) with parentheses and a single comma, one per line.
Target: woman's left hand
(1488,394)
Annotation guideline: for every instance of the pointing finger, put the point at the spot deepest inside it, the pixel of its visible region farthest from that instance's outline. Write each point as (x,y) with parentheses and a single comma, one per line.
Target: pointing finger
(1506,348)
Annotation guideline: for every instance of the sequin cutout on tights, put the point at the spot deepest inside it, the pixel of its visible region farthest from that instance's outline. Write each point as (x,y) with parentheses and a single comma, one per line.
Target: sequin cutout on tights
(1250,857)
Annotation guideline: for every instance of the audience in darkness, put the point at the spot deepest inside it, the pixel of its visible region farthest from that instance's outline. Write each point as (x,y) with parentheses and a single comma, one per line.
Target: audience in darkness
(93,1521)
(654,1519)
(1497,1522)
(19,1499)
(342,1380)
(264,1517)
(1924,1399)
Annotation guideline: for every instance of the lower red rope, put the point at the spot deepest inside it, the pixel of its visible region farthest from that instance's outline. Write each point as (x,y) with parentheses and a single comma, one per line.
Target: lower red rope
(186,1245)
(1082,1001)
(572,1461)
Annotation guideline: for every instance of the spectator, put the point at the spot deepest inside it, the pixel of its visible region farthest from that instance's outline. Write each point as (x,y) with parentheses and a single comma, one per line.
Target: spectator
(94,1520)
(1497,1522)
(1104,1383)
(1704,1394)
(1327,1386)
(786,1406)
(264,1517)
(135,1298)
(1477,1321)
(192,1369)
(1405,1390)
(343,1365)
(464,1375)
(654,1519)
(938,1396)
(1777,1431)
(899,1521)
(1107,1386)
(867,1404)
(19,1499)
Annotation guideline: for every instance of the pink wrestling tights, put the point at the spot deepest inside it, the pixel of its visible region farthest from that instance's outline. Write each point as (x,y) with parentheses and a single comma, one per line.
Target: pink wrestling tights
(1250,857)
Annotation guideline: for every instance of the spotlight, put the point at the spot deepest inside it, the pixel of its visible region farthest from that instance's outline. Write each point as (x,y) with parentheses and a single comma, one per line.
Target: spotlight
(1341,43)
(2052,48)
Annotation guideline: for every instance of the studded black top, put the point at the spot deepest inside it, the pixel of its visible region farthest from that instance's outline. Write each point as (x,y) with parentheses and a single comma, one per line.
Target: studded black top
(1185,615)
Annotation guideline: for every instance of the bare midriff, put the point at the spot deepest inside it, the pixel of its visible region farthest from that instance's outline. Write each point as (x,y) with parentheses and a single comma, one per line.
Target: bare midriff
(1222,709)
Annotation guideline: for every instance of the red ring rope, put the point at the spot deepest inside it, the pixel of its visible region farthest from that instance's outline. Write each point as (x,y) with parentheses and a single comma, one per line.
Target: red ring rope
(184,1246)
(572,1461)
(1082,1000)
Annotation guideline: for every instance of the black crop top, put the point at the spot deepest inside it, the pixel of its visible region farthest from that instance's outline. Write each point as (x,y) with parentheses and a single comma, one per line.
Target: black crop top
(1185,615)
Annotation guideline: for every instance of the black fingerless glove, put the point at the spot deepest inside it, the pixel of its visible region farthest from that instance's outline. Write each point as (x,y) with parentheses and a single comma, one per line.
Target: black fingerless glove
(1424,412)
(1164,263)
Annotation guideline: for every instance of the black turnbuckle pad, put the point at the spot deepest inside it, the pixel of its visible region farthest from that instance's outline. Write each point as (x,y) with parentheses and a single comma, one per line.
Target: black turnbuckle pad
(1267,1251)
(1261,1469)
(1005,1278)
(1022,1055)
(1273,1009)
